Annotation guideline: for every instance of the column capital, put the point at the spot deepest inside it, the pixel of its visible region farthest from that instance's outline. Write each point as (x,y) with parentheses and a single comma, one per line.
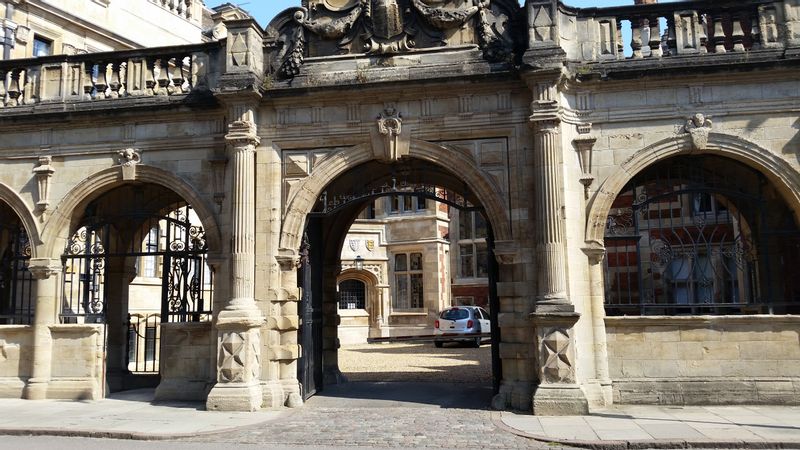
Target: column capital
(44,268)
(545,123)
(242,135)
(596,252)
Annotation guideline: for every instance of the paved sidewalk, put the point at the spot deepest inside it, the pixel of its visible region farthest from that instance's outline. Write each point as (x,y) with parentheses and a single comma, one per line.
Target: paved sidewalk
(127,415)
(409,415)
(627,426)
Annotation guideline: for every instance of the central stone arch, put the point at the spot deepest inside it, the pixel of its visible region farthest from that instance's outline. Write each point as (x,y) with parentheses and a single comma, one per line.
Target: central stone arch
(486,190)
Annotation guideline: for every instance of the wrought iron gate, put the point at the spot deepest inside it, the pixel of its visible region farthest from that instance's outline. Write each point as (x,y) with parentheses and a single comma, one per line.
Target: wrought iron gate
(16,282)
(169,247)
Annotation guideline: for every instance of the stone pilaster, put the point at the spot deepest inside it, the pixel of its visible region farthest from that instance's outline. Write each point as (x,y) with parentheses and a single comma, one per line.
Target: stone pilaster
(554,317)
(596,252)
(47,273)
(239,323)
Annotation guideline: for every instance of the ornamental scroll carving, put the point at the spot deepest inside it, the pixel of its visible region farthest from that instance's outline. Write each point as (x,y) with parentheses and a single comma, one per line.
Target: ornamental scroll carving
(698,127)
(380,27)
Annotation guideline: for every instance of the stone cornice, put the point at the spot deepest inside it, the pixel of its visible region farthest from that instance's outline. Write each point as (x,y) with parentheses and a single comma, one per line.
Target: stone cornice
(699,321)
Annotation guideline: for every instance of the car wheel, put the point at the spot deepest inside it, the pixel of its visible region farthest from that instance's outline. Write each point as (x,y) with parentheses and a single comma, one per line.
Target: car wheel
(477,342)
(438,344)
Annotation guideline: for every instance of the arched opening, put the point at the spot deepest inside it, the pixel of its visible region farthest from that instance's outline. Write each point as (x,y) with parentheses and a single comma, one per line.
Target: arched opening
(694,235)
(16,282)
(395,224)
(136,262)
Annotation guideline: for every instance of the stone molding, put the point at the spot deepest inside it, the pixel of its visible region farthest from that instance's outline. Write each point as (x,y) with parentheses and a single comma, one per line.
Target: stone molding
(698,321)
(763,160)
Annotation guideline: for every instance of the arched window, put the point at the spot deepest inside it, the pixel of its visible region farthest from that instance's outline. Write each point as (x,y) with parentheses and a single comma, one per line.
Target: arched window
(16,282)
(700,235)
(352,294)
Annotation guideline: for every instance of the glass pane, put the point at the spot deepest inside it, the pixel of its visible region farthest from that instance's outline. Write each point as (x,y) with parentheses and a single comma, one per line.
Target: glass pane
(416,291)
(422,203)
(482,259)
(480,226)
(407,200)
(150,344)
(42,47)
(352,294)
(401,292)
(416,261)
(394,203)
(464,225)
(400,262)
(466,265)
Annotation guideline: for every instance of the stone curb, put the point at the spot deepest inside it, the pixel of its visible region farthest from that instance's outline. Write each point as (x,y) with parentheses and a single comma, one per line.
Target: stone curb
(132,435)
(497,420)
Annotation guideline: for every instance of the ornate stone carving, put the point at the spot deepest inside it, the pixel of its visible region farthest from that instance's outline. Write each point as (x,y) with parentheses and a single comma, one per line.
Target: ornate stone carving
(555,358)
(386,27)
(44,172)
(698,127)
(232,355)
(390,139)
(584,145)
(128,160)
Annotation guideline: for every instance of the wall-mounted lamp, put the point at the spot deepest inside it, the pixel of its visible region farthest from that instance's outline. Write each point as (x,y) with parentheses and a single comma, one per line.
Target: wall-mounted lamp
(359,262)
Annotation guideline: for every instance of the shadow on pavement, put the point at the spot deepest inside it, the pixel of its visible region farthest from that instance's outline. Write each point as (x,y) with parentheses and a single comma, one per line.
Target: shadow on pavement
(404,394)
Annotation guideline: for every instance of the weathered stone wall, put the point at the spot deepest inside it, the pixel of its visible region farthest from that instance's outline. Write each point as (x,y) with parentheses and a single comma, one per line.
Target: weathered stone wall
(77,364)
(187,361)
(16,344)
(705,359)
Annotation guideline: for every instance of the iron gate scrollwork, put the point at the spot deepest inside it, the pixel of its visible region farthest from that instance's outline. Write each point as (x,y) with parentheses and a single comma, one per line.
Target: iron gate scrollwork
(16,282)
(170,248)
(686,238)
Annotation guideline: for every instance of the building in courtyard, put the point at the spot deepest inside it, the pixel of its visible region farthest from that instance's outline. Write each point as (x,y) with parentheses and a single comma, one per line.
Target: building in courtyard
(635,167)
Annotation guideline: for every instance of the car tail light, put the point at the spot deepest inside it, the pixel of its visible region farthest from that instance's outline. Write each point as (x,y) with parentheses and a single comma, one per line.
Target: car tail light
(470,323)
(436,324)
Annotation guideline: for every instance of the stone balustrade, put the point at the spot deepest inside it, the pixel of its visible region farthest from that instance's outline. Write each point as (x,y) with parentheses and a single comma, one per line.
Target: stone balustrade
(182,8)
(679,29)
(167,71)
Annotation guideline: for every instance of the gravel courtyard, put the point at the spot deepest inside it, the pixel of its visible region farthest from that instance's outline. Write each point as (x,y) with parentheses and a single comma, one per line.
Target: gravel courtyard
(416,362)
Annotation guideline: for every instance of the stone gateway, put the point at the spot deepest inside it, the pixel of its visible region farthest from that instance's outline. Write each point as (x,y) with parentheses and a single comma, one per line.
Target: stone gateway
(637,167)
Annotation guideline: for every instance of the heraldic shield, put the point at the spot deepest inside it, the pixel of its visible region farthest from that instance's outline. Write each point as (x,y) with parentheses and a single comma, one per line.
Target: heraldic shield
(387,18)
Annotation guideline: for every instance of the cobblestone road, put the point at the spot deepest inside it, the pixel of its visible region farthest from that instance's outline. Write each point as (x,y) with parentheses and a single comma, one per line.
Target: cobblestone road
(443,404)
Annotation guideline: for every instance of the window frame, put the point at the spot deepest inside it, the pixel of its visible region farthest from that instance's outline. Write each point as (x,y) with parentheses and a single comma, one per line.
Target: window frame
(474,242)
(409,274)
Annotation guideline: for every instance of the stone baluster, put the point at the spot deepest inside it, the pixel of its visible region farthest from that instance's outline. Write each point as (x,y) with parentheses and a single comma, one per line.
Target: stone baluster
(737,36)
(47,273)
(238,385)
(3,76)
(703,34)
(15,82)
(620,43)
(554,317)
(88,81)
(636,37)
(672,36)
(114,80)
(719,34)
(161,72)
(101,83)
(655,37)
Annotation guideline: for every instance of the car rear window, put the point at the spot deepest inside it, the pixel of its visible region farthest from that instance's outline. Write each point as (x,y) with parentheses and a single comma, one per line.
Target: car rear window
(455,314)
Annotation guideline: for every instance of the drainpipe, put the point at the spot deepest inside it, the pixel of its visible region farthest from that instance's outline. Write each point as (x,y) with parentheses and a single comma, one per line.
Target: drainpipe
(8,26)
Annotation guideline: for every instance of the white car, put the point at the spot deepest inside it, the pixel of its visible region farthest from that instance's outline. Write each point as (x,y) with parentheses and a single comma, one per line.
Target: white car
(468,324)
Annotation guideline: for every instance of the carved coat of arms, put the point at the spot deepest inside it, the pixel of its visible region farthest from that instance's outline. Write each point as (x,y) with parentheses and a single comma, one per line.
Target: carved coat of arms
(387,18)
(354,243)
(370,244)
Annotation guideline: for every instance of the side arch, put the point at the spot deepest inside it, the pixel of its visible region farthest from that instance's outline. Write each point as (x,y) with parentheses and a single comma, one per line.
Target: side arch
(783,176)
(57,231)
(302,203)
(17,204)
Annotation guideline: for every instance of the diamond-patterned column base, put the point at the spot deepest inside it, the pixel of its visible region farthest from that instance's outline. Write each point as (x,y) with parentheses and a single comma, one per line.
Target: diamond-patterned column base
(558,393)
(238,386)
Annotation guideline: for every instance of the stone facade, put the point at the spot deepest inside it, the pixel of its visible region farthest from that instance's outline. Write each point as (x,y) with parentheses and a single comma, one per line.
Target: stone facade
(538,115)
